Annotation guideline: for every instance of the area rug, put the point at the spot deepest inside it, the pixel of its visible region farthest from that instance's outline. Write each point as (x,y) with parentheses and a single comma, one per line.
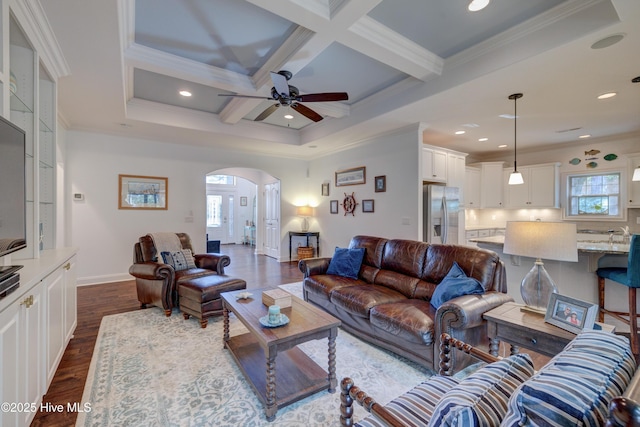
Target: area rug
(152,370)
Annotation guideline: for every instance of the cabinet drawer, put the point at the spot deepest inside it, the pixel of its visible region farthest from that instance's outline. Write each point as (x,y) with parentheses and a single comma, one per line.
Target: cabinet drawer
(537,341)
(471,234)
(484,233)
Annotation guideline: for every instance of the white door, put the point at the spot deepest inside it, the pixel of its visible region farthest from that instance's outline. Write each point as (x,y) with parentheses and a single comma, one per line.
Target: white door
(272,220)
(220,225)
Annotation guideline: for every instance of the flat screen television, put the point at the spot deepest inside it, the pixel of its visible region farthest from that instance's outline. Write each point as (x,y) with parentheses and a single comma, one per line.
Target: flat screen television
(13,200)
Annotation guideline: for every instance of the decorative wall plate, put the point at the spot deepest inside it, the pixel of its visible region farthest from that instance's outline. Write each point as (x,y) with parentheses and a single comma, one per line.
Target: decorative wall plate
(349,204)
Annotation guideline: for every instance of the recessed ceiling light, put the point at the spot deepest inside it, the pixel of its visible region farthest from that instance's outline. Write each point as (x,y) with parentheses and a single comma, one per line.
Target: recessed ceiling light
(584,136)
(502,146)
(471,125)
(288,116)
(507,116)
(477,5)
(607,95)
(483,139)
(461,132)
(607,41)
(185,93)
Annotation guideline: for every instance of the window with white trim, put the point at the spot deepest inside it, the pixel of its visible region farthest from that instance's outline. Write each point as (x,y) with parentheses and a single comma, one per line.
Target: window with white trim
(594,195)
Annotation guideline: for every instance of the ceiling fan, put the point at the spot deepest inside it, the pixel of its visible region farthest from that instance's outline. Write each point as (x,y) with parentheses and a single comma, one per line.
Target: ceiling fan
(288,95)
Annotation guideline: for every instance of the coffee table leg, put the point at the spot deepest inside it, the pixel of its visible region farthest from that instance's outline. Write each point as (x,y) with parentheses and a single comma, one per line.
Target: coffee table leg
(494,346)
(225,328)
(333,382)
(271,407)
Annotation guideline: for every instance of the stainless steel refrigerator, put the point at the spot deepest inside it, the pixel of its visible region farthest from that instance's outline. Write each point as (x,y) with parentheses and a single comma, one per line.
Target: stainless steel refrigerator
(441,207)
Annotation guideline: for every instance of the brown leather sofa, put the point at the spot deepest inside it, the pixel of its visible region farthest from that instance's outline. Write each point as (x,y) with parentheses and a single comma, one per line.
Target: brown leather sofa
(389,304)
(161,285)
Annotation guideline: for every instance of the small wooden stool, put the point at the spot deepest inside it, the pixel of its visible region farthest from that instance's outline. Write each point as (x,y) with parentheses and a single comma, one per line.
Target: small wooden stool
(200,297)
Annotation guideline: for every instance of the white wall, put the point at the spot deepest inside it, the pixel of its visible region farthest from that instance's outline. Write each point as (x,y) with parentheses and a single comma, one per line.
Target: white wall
(396,156)
(105,235)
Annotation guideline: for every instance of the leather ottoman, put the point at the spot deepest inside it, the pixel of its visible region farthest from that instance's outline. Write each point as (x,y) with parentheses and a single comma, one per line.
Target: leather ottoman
(200,297)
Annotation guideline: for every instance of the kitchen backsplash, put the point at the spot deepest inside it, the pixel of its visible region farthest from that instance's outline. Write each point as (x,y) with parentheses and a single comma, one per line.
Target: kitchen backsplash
(498,218)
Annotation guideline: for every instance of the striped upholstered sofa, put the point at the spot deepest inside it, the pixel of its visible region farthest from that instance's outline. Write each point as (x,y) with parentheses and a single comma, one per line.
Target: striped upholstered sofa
(592,382)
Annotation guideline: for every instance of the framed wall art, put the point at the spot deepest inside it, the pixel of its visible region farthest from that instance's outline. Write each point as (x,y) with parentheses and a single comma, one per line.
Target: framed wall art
(333,206)
(381,183)
(367,205)
(325,189)
(352,176)
(142,192)
(570,314)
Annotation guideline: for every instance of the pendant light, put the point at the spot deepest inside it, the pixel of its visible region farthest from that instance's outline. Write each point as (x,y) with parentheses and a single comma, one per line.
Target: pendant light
(516,177)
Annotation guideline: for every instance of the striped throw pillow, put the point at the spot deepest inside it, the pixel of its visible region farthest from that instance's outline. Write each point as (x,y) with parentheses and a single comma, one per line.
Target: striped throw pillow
(415,407)
(575,387)
(481,398)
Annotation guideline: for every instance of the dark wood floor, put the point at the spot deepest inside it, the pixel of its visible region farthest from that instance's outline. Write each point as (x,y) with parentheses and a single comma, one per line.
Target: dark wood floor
(97,301)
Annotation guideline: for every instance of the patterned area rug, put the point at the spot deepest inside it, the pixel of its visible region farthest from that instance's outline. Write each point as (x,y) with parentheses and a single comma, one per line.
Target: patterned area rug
(152,370)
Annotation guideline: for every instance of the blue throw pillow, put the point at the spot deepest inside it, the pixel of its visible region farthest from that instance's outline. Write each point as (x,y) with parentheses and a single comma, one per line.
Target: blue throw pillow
(455,284)
(346,262)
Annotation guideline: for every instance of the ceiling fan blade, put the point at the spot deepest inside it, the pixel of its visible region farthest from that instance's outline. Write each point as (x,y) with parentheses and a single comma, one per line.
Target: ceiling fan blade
(266,113)
(307,112)
(280,83)
(245,96)
(323,97)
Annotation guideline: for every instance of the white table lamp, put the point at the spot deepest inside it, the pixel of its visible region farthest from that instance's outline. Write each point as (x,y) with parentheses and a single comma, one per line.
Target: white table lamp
(540,240)
(304,212)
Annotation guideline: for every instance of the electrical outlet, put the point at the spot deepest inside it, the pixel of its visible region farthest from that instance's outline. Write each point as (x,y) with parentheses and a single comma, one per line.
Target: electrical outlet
(406,220)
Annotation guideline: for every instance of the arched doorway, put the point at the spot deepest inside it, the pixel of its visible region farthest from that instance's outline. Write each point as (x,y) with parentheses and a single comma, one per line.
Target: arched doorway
(243,207)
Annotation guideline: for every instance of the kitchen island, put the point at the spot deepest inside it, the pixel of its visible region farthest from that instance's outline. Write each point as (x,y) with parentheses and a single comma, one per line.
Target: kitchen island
(574,279)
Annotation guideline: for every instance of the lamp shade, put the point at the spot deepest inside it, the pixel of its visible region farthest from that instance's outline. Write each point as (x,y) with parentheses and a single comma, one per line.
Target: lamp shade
(304,211)
(540,239)
(515,178)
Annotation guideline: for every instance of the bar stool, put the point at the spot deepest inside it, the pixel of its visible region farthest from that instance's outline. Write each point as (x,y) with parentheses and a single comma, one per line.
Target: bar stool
(630,277)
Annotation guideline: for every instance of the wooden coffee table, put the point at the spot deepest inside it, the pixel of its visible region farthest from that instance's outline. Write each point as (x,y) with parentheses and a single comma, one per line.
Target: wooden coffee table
(297,376)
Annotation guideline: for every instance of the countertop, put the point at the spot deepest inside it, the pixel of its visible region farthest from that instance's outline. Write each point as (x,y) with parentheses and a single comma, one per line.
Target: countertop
(584,245)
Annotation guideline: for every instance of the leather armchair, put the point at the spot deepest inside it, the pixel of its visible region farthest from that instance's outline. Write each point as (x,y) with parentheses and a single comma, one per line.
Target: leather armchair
(156,282)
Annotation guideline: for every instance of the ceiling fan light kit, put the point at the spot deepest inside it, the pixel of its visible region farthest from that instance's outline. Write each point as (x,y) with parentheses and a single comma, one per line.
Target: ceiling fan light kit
(289,96)
(516,177)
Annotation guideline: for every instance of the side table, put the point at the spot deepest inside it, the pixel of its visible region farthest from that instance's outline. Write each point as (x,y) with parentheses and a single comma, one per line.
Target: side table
(529,330)
(306,234)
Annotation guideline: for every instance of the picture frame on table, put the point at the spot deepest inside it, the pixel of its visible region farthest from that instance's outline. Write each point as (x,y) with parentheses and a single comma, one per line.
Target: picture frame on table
(333,206)
(143,192)
(325,189)
(380,183)
(352,176)
(571,314)
(367,205)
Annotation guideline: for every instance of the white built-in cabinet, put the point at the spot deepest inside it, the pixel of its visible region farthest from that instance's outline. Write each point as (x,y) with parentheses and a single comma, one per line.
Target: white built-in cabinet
(491,185)
(434,164)
(633,187)
(472,188)
(540,189)
(36,323)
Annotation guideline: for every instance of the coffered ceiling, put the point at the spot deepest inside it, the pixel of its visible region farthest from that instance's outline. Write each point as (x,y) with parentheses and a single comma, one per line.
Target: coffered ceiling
(400,61)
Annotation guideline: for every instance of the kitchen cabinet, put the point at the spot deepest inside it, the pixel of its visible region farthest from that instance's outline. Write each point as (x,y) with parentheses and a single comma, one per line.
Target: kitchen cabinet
(456,169)
(540,189)
(434,164)
(491,185)
(472,188)
(633,201)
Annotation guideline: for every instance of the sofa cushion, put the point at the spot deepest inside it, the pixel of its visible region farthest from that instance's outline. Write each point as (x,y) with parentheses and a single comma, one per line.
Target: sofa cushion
(414,408)
(481,398)
(179,260)
(576,386)
(455,284)
(411,320)
(346,262)
(358,300)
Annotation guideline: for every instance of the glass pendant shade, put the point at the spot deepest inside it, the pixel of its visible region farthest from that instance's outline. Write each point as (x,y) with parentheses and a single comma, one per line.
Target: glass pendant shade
(536,287)
(515,178)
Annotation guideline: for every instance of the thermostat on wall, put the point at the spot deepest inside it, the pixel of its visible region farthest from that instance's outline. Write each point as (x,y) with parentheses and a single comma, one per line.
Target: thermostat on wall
(78,196)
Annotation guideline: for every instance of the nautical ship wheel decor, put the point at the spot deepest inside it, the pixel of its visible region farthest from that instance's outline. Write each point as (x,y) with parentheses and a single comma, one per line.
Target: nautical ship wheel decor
(349,204)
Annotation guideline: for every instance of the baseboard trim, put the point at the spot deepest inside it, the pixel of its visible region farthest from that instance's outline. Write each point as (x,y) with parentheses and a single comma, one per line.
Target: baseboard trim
(109,278)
